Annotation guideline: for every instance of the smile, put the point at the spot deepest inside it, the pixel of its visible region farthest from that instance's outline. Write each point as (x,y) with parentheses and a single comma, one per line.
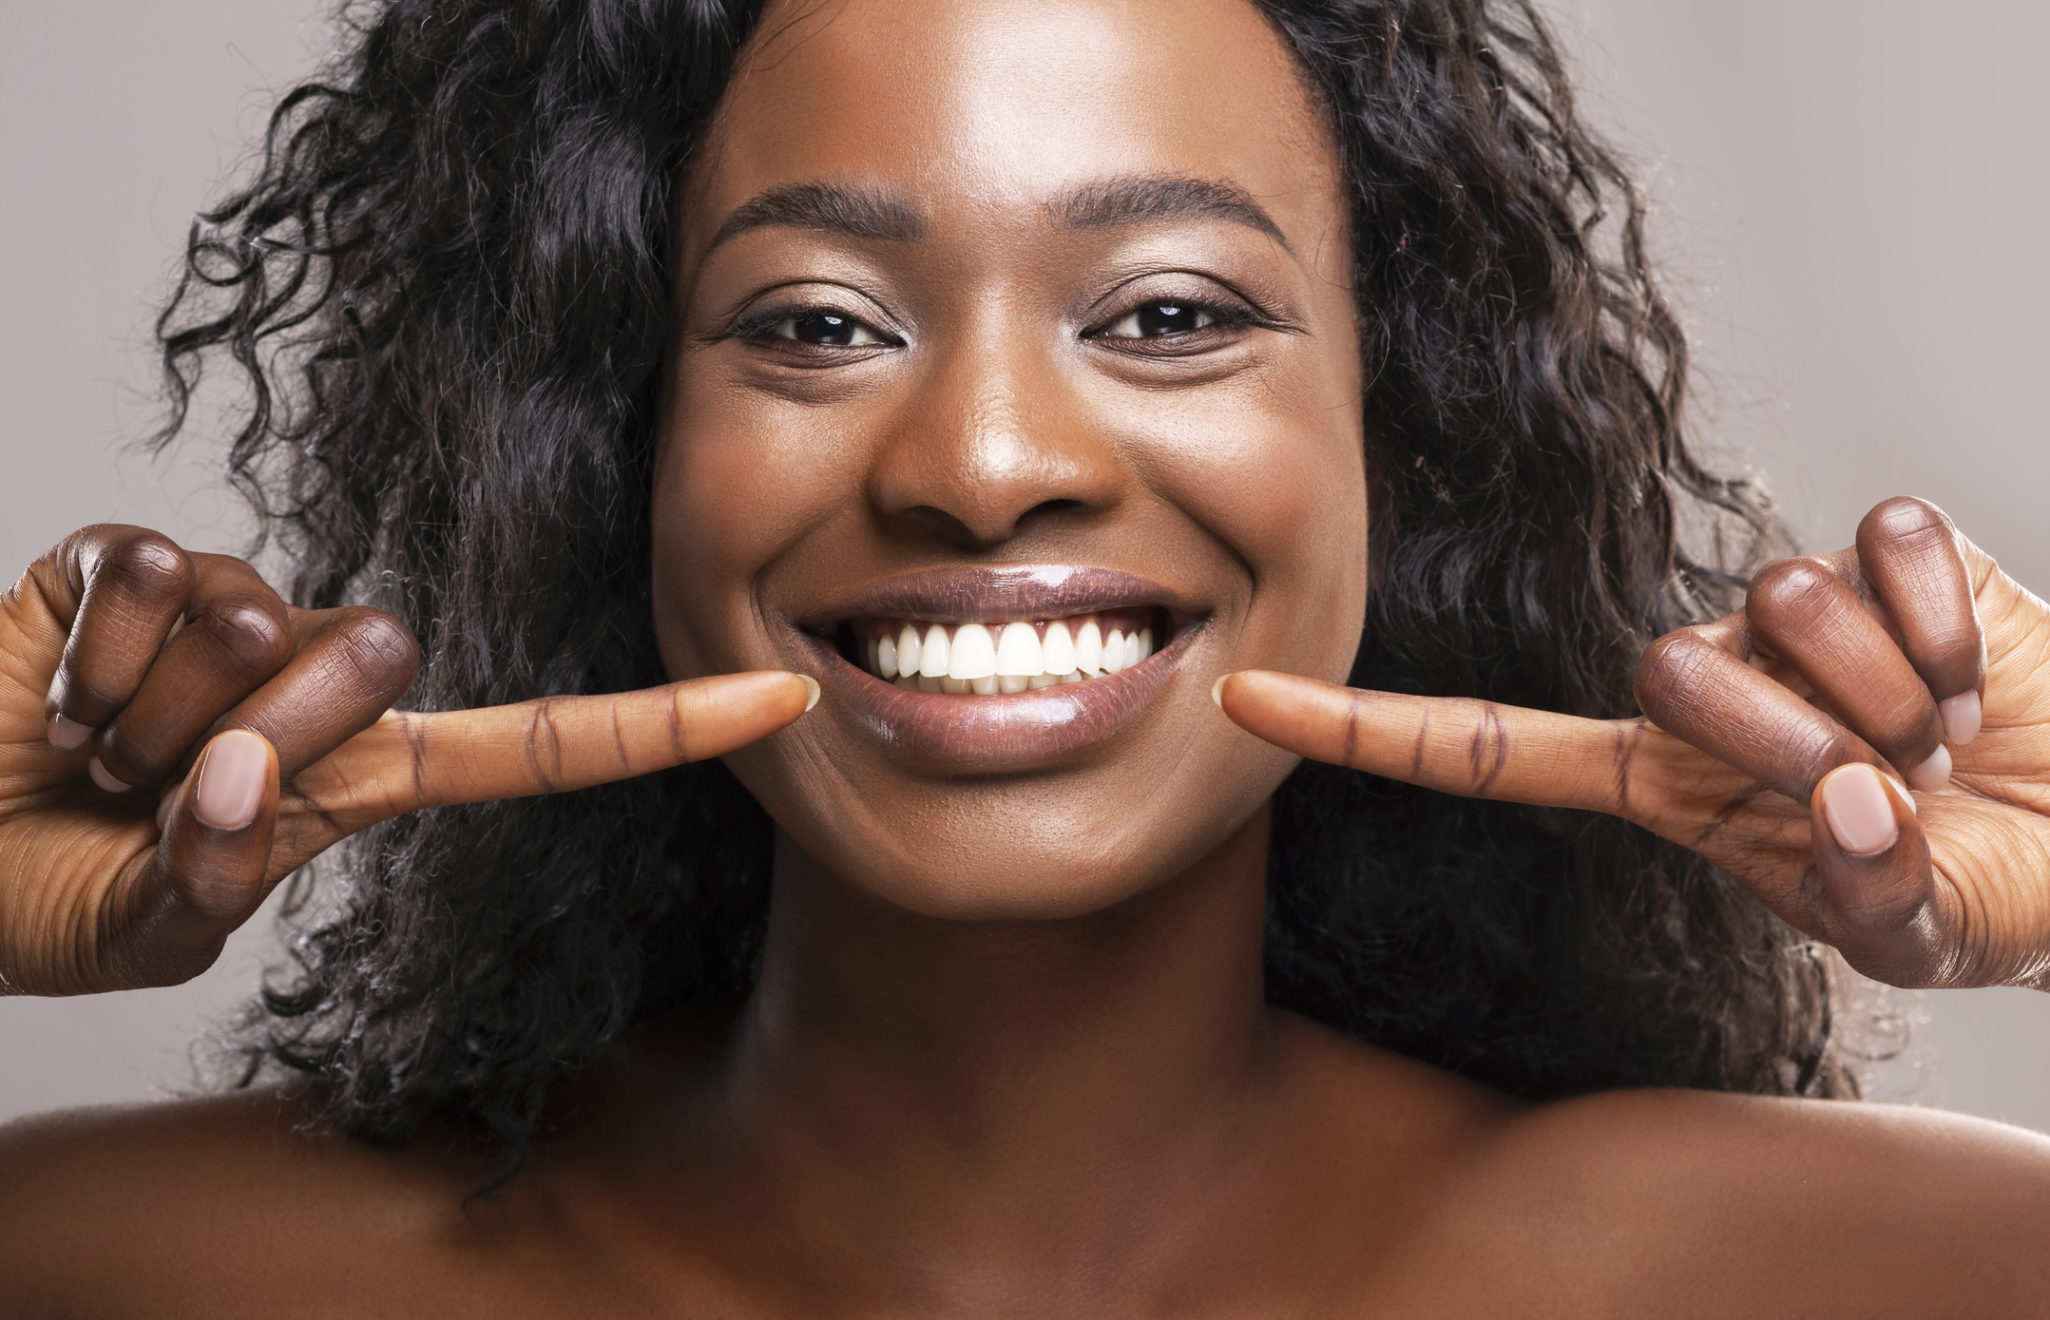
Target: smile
(1002,668)
(1003,658)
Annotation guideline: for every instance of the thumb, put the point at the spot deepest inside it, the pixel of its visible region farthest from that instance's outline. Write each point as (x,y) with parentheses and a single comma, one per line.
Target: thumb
(1451,744)
(208,873)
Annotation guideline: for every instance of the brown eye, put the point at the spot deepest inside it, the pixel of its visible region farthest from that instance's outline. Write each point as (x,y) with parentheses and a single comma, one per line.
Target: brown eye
(1159,319)
(824,329)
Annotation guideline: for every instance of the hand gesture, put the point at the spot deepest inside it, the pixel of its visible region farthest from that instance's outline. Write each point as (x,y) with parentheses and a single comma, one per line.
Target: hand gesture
(174,739)
(1865,746)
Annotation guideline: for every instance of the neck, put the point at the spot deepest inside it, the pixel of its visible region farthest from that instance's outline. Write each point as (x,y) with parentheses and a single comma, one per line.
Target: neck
(959,1089)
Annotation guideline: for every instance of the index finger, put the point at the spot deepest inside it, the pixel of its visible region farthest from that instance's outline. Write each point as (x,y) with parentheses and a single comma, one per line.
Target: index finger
(1455,745)
(408,761)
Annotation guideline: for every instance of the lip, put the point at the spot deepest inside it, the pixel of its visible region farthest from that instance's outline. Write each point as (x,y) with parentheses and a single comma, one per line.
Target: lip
(996,595)
(1005,732)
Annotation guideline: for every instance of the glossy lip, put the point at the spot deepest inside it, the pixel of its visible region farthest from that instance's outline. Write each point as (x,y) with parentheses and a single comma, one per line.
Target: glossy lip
(1004,732)
(997,595)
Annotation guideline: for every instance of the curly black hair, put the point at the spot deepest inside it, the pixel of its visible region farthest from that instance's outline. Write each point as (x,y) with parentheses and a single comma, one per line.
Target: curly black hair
(444,294)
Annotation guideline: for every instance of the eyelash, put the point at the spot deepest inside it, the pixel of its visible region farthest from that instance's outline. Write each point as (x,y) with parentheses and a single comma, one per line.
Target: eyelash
(760,327)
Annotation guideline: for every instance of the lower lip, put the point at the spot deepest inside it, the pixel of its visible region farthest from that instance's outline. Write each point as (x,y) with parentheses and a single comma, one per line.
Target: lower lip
(1011,731)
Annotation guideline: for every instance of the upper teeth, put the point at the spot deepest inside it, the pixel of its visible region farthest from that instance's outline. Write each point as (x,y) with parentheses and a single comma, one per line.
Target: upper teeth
(1004,657)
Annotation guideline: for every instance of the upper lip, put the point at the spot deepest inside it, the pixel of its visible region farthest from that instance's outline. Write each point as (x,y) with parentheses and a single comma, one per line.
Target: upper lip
(998,595)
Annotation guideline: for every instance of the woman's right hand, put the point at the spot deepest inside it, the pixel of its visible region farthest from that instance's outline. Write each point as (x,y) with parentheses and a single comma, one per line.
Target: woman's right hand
(175,739)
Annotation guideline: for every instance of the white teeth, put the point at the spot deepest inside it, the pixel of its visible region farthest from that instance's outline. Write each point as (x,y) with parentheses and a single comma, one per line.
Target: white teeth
(1089,649)
(1057,654)
(973,653)
(932,653)
(1114,652)
(1019,654)
(987,659)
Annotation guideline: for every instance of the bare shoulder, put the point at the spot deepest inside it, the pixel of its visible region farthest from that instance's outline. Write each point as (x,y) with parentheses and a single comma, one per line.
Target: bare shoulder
(220,1202)
(1755,1205)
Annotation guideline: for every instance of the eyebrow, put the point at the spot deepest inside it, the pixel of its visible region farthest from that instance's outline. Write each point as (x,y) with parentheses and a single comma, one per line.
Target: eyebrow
(1138,198)
(858,211)
(838,208)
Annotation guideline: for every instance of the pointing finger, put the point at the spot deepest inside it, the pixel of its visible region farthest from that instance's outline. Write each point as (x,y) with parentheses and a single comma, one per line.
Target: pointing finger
(406,762)
(1451,744)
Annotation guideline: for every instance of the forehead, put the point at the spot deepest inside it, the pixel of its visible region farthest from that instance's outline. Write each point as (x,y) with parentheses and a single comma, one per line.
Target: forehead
(994,106)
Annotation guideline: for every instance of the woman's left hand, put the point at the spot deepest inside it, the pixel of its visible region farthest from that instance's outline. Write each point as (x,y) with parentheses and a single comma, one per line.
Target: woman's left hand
(1763,744)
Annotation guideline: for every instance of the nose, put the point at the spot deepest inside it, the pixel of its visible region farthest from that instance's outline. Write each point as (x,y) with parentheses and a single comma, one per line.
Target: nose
(991,444)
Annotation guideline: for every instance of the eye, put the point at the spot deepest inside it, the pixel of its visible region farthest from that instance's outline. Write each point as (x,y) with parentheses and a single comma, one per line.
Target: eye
(820,327)
(1157,320)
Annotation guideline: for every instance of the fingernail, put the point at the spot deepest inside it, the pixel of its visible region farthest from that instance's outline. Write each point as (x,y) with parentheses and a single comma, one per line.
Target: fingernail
(232,776)
(811,691)
(68,735)
(1859,812)
(1961,715)
(1217,690)
(1933,773)
(103,779)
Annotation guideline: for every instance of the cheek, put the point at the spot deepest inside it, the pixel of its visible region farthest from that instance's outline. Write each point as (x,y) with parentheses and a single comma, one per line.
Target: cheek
(736,485)
(1282,488)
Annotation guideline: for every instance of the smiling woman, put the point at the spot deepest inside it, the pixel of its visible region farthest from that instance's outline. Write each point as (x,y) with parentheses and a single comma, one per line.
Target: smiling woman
(1034,380)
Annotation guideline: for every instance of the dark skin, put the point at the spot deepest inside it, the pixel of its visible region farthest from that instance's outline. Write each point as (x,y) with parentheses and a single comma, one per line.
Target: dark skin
(1010,1054)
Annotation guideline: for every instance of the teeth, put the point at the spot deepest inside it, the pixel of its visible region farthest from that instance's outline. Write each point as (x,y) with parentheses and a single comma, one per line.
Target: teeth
(1018,653)
(932,653)
(1057,655)
(1089,649)
(973,653)
(988,659)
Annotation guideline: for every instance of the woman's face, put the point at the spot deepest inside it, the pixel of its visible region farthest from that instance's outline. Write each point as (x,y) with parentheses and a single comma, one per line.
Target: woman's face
(1012,312)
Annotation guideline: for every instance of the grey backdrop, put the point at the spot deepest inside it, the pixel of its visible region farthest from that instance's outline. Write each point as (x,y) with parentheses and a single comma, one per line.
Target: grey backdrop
(1851,196)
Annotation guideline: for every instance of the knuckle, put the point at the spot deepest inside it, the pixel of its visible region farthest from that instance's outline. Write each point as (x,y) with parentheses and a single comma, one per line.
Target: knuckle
(252,632)
(148,569)
(1670,665)
(381,649)
(1903,518)
(1788,590)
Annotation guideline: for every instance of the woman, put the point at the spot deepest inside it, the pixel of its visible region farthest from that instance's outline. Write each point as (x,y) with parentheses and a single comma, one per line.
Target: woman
(1116,363)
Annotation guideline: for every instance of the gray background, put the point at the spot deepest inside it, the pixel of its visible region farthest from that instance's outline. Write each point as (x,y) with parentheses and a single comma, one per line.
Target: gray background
(1850,199)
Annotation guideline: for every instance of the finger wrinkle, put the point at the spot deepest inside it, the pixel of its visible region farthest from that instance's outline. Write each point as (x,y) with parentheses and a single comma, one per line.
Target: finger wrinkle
(679,736)
(1629,736)
(542,732)
(1490,748)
